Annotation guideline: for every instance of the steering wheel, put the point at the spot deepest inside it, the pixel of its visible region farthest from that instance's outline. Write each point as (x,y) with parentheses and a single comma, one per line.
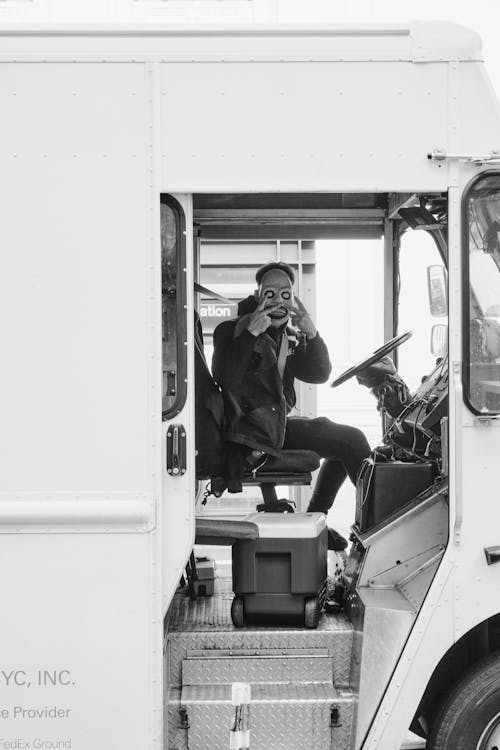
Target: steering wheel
(389,346)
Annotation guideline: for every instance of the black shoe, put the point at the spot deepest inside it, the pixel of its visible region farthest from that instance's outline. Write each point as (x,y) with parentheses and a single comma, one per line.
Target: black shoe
(332,607)
(282,506)
(336,541)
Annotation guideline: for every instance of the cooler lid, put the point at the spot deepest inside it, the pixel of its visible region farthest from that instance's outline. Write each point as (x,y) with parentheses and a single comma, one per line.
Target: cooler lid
(288,525)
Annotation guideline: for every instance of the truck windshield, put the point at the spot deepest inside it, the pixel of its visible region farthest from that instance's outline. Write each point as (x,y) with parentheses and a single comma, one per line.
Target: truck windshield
(482,332)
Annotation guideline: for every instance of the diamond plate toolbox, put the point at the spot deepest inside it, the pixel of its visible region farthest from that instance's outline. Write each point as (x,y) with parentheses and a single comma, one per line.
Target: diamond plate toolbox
(282,717)
(293,723)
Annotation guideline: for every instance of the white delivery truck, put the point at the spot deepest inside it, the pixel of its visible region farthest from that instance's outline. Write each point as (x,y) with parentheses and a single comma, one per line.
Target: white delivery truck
(120,148)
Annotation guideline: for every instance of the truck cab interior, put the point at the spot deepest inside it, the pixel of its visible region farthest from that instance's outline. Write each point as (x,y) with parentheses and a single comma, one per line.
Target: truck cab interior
(412,438)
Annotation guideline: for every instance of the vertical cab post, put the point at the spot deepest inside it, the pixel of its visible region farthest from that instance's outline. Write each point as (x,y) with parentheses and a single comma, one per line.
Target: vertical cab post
(178,476)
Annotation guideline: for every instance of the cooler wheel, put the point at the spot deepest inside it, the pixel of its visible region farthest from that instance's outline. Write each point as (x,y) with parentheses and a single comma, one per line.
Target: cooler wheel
(238,612)
(312,612)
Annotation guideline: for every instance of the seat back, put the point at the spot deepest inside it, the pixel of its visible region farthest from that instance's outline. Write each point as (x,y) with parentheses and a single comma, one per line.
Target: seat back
(209,411)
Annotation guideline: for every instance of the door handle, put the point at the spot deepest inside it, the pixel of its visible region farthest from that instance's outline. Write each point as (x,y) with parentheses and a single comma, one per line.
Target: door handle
(171,383)
(176,450)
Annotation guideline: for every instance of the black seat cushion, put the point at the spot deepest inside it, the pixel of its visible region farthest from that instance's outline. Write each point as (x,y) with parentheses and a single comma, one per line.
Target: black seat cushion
(290,462)
(222,531)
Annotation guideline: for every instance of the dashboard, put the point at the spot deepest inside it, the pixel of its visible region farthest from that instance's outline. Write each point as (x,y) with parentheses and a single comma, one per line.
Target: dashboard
(416,432)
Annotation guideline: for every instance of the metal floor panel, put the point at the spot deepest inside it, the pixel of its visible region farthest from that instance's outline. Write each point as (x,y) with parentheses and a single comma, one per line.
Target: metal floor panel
(214,613)
(205,625)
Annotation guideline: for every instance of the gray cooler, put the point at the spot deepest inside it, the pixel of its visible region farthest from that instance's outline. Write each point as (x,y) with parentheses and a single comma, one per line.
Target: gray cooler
(280,578)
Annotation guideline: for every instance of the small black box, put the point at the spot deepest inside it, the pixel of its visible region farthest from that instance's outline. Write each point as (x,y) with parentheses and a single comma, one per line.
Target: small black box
(384,487)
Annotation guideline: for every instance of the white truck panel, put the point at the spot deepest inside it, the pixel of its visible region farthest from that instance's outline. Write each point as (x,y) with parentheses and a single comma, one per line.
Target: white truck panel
(476,582)
(81,405)
(298,127)
(478,110)
(74,312)
(78,607)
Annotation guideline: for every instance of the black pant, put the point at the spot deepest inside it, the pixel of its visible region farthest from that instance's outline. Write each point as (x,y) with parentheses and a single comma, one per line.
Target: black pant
(343,447)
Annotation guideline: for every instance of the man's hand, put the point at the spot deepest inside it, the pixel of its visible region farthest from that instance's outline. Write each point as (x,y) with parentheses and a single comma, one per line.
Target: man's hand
(259,320)
(302,319)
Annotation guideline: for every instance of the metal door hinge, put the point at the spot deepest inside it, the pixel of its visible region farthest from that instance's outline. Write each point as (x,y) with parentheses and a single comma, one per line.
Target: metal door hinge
(176,450)
(440,155)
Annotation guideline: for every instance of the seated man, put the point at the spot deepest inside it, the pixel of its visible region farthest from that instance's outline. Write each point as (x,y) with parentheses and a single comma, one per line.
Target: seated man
(255,362)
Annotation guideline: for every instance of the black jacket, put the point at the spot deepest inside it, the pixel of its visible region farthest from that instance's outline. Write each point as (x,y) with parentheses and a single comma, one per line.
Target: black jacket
(257,396)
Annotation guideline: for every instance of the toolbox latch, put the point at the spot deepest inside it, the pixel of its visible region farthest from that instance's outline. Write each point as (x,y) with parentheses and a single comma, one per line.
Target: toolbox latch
(184,720)
(335,720)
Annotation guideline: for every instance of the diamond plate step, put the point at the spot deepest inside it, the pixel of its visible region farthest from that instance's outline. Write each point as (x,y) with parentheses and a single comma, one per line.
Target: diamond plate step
(205,625)
(271,667)
(282,717)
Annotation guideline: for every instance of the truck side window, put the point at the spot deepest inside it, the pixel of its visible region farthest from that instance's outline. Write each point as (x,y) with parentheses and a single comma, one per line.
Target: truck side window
(173,292)
(481,209)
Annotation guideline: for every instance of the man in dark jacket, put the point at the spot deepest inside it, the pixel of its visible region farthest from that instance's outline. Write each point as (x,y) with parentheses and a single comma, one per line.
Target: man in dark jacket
(256,361)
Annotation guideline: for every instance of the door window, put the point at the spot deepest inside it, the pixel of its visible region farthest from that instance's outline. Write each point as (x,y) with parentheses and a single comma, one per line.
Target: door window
(173,293)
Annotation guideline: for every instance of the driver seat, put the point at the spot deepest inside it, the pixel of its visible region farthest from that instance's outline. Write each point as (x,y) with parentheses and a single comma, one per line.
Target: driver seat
(291,468)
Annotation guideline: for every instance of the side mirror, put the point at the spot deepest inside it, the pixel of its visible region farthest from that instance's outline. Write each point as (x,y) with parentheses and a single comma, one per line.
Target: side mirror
(436,283)
(439,340)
